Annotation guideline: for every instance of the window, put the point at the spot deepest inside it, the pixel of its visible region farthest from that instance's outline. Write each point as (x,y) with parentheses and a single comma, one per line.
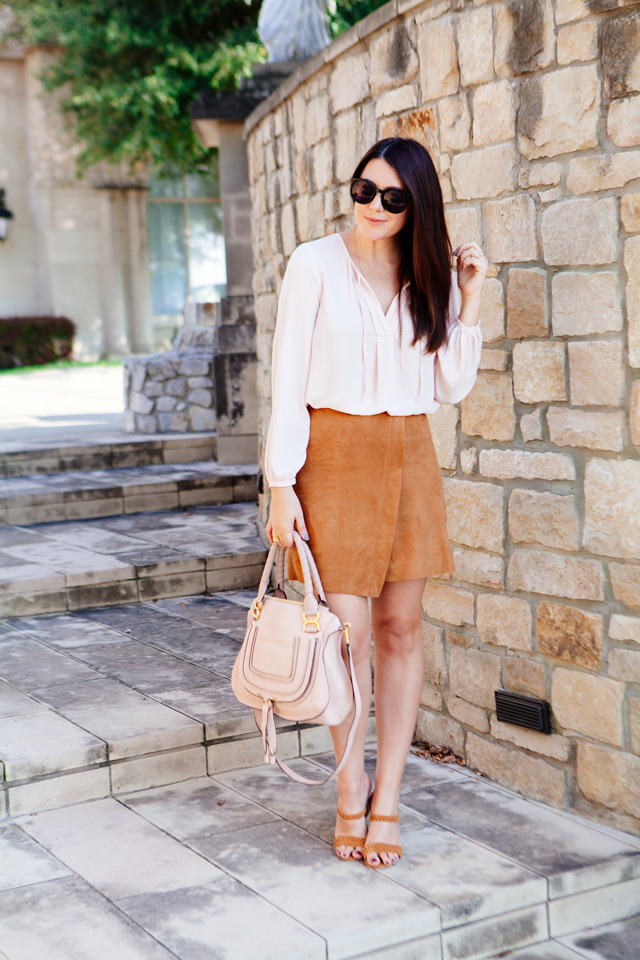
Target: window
(186,244)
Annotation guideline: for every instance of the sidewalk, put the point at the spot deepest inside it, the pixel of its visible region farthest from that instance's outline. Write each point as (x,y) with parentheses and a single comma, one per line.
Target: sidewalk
(145,826)
(52,407)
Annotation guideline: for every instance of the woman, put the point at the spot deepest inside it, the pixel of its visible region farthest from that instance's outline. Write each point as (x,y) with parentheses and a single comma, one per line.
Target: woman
(370,337)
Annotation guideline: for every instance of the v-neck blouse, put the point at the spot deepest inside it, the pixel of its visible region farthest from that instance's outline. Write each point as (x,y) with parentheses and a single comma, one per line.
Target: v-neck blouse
(335,347)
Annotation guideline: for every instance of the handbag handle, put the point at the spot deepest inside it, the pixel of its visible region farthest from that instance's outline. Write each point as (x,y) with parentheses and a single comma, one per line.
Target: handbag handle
(309,573)
(267,727)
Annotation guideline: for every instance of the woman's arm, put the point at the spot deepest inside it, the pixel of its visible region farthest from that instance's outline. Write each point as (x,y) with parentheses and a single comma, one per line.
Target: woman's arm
(288,434)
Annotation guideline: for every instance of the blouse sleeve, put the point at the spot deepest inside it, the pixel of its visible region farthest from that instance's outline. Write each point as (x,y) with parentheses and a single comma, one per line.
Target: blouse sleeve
(288,435)
(457,361)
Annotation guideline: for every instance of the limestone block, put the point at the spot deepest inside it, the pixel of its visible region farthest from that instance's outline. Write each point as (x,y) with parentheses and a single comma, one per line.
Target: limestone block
(555,575)
(468,714)
(511,230)
(612,508)
(519,464)
(527,303)
(625,582)
(588,705)
(524,676)
(396,101)
(624,665)
(620,61)
(201,419)
(585,303)
(634,724)
(493,113)
(485,172)
(609,777)
(463,224)
(530,776)
(435,664)
(288,229)
(497,360)
(541,174)
(489,410)
(469,460)
(177,387)
(554,746)
(577,428)
(448,604)
(438,60)
(569,10)
(201,397)
(559,112)
(538,371)
(545,518)
(504,621)
(323,164)
(630,212)
(525,38)
(531,426)
(455,123)
(473,566)
(166,404)
(349,82)
(475,513)
(632,266)
(474,675)
(431,698)
(492,310)
(576,42)
(567,633)
(475,46)
(147,424)
(580,232)
(161,370)
(593,174)
(444,433)
(194,367)
(173,423)
(596,373)
(460,639)
(140,404)
(317,120)
(626,629)
(439,731)
(394,61)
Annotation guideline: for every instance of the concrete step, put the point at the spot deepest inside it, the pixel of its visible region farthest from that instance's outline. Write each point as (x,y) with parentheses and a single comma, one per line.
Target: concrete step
(80,495)
(55,567)
(607,941)
(133,786)
(117,449)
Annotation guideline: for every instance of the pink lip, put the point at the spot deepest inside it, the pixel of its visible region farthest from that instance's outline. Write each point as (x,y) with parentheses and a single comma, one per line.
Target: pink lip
(371,220)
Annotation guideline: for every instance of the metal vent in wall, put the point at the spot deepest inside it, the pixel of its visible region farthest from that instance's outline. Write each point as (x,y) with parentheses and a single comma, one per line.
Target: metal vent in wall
(523,711)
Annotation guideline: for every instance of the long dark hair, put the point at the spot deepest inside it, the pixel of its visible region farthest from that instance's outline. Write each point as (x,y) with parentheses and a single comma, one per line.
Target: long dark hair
(425,247)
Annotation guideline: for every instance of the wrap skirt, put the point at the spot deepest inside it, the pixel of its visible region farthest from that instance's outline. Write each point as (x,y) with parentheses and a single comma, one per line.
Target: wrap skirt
(372,497)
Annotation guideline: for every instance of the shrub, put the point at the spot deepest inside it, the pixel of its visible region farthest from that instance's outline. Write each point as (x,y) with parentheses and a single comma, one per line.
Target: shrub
(28,341)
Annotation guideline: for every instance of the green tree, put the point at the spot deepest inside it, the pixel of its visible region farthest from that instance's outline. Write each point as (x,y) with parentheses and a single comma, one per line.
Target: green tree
(128,71)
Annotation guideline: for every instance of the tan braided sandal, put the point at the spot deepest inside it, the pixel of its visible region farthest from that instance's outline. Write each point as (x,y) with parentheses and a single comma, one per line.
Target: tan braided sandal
(379,848)
(342,840)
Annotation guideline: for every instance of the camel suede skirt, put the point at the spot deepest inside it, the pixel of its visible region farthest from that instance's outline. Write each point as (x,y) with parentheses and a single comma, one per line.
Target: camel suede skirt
(373,502)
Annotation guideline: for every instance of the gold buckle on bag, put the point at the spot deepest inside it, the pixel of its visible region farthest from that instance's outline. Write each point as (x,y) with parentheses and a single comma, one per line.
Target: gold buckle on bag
(310,621)
(257,609)
(347,629)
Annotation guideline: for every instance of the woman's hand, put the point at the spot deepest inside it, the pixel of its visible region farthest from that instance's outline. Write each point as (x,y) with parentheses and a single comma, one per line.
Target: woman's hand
(286,512)
(472,269)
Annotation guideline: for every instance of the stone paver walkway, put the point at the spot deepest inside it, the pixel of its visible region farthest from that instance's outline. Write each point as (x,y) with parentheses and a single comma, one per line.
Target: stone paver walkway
(143,825)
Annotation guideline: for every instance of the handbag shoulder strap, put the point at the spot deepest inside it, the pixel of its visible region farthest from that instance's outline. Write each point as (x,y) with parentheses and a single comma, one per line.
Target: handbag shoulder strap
(267,727)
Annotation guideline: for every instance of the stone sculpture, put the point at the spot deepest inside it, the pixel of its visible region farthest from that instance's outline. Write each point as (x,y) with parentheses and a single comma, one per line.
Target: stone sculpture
(293,29)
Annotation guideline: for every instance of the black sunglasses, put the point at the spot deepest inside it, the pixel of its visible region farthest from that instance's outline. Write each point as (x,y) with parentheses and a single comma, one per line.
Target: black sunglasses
(393,199)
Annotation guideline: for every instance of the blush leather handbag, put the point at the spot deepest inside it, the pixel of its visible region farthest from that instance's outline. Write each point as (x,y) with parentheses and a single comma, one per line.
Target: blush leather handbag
(291,663)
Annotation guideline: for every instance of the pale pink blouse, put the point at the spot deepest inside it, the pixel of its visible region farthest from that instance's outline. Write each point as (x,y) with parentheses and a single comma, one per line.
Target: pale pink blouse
(335,347)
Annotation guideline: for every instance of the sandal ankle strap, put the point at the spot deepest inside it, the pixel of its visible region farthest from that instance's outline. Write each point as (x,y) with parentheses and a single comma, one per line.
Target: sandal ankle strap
(351,816)
(379,818)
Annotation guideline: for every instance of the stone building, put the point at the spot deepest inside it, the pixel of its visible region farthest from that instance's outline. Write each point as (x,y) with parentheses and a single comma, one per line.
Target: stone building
(531,109)
(116,257)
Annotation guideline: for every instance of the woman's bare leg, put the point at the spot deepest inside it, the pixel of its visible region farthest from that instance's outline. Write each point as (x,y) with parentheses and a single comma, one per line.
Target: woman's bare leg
(353,784)
(396,618)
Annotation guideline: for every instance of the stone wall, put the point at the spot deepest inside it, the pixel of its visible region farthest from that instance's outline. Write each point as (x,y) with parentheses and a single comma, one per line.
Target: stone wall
(531,109)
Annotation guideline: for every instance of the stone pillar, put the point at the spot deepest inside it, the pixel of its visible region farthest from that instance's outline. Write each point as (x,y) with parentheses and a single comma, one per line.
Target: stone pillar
(115,338)
(139,272)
